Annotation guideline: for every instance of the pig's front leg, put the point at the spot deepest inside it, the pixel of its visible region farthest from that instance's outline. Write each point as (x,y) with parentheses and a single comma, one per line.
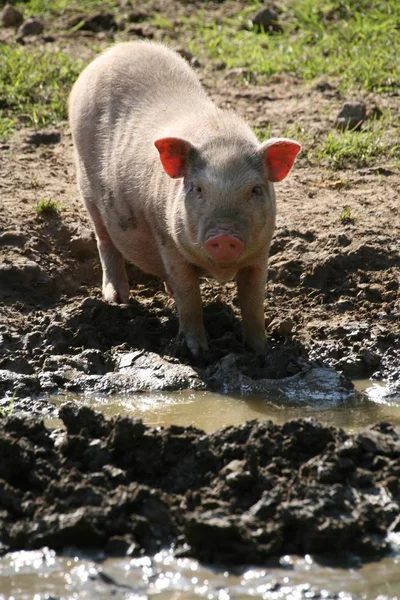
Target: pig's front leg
(183,281)
(251,289)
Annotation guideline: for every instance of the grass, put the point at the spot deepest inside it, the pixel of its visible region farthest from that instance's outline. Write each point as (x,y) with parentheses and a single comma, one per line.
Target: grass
(5,413)
(341,150)
(47,8)
(346,218)
(47,208)
(358,149)
(34,86)
(356,41)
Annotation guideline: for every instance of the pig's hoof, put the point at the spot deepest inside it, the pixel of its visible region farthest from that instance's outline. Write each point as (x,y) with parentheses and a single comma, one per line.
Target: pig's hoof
(111,294)
(196,346)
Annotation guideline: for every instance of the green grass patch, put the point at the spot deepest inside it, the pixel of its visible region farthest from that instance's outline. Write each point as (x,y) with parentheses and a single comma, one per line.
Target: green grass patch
(356,41)
(48,8)
(47,208)
(34,86)
(346,218)
(341,150)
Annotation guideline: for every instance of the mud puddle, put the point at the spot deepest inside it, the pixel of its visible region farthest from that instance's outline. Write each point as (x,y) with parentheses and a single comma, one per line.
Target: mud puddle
(372,402)
(42,574)
(73,574)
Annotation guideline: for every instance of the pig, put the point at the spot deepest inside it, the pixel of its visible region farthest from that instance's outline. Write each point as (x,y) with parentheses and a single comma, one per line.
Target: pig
(174,184)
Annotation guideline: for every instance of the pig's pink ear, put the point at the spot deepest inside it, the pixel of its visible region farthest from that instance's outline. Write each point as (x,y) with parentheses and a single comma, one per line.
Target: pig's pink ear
(174,154)
(279,156)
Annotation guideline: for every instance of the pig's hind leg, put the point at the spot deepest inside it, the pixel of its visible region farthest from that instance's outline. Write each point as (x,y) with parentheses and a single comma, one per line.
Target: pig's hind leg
(115,281)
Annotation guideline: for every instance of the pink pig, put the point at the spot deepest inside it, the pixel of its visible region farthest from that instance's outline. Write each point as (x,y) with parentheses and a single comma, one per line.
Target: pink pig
(174,184)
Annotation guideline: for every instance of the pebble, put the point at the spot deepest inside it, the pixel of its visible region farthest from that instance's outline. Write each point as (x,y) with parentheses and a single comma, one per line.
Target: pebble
(266,20)
(351,116)
(43,137)
(96,23)
(11,17)
(31,26)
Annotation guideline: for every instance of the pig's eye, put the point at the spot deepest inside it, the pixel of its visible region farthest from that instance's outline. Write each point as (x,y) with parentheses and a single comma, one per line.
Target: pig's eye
(197,189)
(256,191)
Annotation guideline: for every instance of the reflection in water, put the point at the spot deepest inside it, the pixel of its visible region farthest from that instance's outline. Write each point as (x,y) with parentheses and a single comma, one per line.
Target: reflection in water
(42,575)
(209,411)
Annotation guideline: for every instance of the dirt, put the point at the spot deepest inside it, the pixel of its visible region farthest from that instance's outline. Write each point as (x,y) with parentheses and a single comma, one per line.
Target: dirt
(332,302)
(242,495)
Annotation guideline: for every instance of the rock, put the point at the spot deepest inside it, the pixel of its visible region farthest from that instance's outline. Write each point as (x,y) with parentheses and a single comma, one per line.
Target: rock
(141,31)
(374,112)
(38,138)
(324,86)
(32,26)
(187,55)
(11,17)
(137,16)
(266,20)
(97,23)
(343,240)
(351,116)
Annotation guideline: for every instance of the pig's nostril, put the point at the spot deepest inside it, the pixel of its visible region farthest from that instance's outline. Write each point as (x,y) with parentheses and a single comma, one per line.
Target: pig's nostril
(224,248)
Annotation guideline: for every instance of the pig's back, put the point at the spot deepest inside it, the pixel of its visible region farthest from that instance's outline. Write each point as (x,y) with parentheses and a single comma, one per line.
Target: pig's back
(135,80)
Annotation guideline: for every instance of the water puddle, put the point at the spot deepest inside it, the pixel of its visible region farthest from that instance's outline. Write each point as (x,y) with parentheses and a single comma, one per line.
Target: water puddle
(209,411)
(43,575)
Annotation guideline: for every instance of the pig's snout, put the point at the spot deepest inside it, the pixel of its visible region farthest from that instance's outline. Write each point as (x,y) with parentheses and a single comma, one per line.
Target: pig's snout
(224,247)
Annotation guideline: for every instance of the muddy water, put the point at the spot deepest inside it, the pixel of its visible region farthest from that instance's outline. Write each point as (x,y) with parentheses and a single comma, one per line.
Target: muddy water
(44,575)
(209,411)
(41,575)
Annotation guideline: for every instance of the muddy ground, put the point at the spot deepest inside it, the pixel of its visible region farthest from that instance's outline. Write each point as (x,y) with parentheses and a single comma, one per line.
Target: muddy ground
(242,495)
(332,301)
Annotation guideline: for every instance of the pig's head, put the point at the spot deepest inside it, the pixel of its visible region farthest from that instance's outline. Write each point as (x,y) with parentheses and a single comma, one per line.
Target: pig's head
(225,211)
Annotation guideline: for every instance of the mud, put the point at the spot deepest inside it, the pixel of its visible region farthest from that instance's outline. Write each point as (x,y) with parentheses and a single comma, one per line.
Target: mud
(242,495)
(333,291)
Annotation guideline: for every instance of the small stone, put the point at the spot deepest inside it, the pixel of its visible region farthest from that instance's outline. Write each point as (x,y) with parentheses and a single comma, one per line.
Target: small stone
(141,31)
(351,116)
(343,240)
(32,26)
(95,24)
(187,55)
(324,86)
(11,17)
(266,20)
(43,137)
(219,65)
(137,16)
(374,112)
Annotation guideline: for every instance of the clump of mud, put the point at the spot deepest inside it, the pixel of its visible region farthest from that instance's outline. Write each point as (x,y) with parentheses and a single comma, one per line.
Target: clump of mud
(241,495)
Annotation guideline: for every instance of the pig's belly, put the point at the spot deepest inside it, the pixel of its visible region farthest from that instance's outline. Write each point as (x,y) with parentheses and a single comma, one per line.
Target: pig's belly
(140,248)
